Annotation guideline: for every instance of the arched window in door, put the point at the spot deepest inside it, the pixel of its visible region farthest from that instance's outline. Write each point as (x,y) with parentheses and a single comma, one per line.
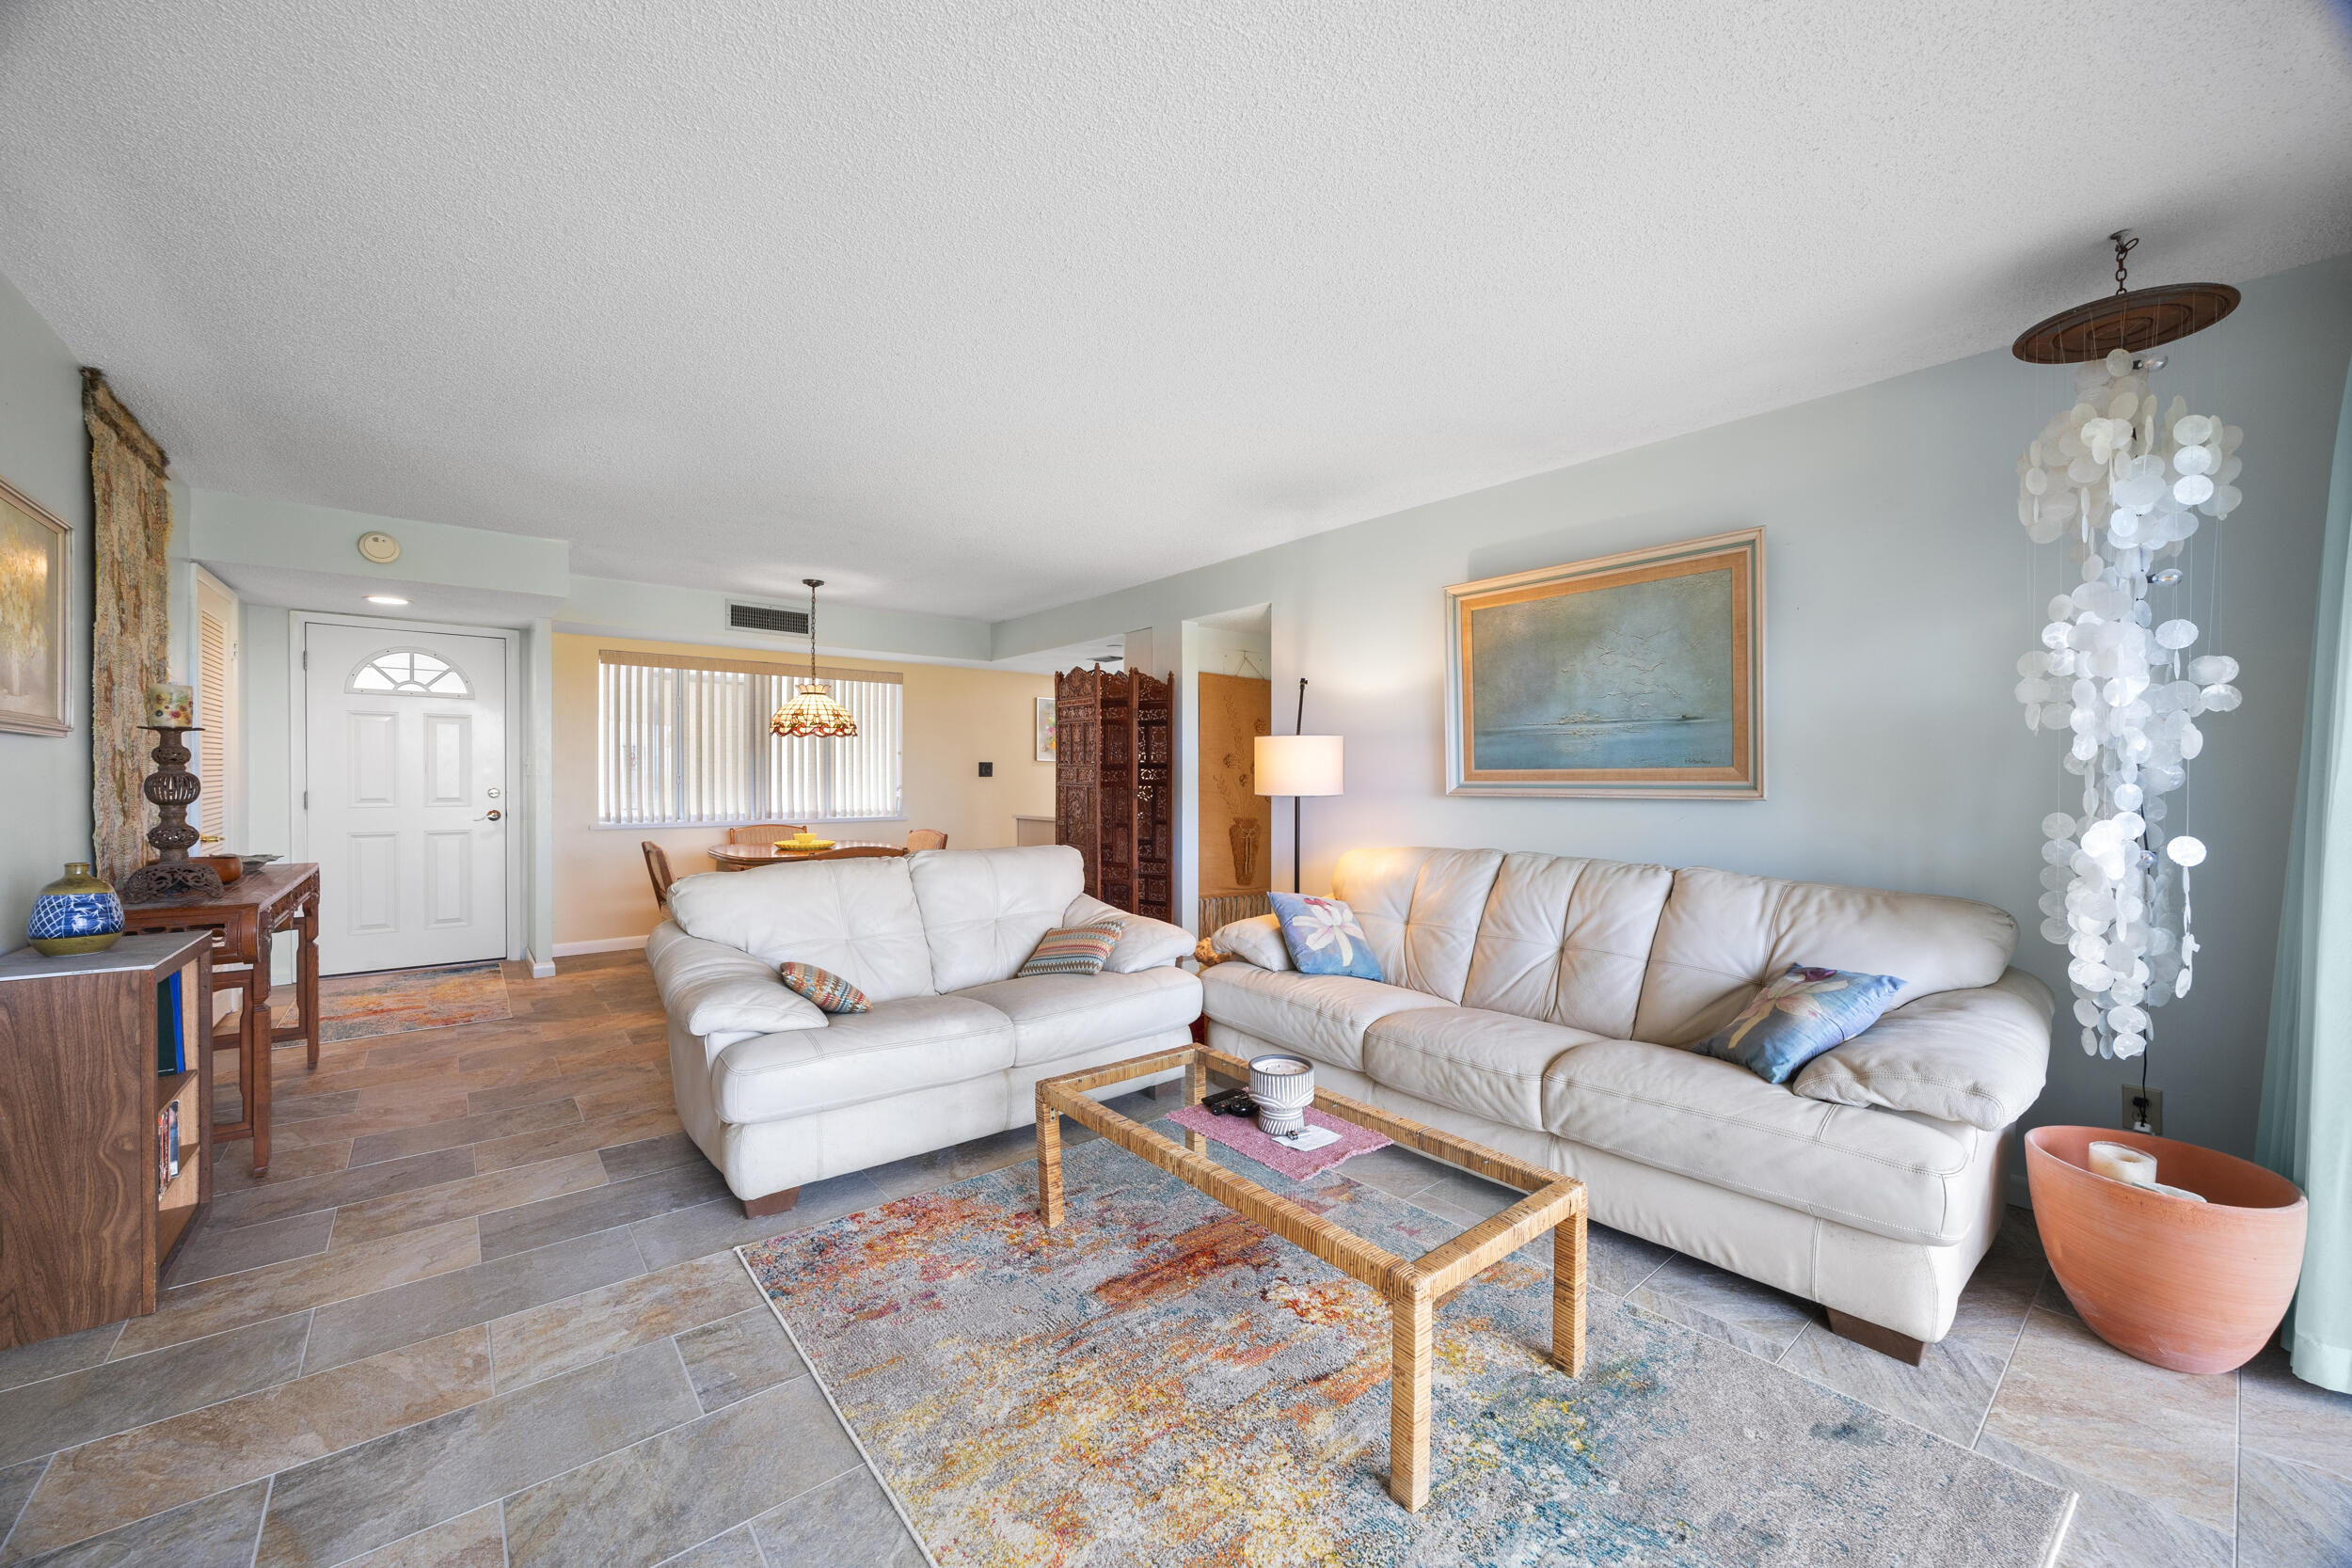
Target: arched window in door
(408,673)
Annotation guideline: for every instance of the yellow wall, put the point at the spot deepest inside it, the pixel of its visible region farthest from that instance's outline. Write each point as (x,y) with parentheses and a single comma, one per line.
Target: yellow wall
(956,719)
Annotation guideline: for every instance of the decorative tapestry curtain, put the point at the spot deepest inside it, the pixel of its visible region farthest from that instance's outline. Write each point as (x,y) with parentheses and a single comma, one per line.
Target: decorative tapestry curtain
(129,639)
(2306,1129)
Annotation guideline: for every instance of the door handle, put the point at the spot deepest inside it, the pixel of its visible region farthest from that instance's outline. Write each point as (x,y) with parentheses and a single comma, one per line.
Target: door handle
(492,818)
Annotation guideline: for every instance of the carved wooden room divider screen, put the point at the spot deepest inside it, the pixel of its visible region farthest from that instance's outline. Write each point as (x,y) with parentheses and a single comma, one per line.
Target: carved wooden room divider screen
(1115,785)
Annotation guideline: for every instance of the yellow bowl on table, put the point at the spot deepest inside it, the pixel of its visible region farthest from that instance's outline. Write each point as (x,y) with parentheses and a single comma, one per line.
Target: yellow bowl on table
(804,841)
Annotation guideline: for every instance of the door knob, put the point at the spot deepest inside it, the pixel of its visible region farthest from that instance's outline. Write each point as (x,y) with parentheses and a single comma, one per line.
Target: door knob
(492,818)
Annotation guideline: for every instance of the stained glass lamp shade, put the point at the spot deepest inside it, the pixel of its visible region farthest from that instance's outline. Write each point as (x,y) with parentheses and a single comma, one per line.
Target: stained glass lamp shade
(813,714)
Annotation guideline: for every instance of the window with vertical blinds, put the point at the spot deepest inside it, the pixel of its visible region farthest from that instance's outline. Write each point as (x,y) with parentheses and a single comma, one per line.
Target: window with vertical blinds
(686,742)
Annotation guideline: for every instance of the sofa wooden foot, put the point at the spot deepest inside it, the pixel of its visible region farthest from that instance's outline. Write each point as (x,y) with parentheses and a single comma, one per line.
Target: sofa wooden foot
(1903,1347)
(774,1203)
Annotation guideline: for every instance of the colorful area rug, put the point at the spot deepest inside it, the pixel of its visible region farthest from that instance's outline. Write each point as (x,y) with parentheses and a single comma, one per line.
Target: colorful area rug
(1162,1382)
(395,1001)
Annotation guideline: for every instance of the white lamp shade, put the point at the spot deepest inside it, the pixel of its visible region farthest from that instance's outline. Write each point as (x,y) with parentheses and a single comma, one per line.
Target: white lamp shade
(1300,765)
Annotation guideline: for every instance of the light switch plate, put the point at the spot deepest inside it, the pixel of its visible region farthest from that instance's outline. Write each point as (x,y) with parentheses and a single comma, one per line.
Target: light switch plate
(2130,1109)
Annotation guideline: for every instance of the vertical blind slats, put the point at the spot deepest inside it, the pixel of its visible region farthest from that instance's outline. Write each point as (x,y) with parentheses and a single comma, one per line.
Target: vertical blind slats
(682,746)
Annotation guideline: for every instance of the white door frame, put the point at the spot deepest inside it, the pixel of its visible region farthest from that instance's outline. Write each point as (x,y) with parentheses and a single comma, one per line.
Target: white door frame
(298,709)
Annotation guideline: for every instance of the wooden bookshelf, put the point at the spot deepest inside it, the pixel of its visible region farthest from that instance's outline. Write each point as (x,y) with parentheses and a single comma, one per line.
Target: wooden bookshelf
(88,1222)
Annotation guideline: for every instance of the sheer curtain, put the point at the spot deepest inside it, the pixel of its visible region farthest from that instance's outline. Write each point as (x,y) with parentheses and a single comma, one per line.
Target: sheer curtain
(2306,1129)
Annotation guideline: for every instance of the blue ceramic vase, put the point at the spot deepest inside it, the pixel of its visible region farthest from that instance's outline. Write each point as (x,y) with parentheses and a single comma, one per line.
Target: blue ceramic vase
(76,913)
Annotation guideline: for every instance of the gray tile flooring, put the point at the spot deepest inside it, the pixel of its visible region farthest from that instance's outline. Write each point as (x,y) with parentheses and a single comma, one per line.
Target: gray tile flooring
(482,1314)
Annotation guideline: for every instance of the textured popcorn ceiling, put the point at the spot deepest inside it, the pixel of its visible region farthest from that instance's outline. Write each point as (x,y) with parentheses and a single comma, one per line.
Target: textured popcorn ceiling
(977,308)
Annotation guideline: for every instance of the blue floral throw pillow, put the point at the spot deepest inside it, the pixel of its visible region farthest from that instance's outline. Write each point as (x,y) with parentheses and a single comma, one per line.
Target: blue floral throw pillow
(1799,1015)
(1324,938)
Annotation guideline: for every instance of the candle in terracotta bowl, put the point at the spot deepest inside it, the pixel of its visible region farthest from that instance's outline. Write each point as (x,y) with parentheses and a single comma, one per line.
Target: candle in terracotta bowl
(2123,1163)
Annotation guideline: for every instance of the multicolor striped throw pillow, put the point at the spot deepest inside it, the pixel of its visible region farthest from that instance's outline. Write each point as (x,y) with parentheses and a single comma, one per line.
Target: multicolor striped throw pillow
(830,992)
(1074,949)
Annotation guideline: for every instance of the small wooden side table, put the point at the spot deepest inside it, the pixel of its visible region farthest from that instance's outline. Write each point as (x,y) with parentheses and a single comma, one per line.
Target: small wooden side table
(242,919)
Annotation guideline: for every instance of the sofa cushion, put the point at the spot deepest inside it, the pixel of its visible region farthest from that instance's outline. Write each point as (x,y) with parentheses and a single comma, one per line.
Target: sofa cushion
(711,988)
(1257,940)
(1487,1063)
(1143,943)
(1054,1015)
(857,918)
(911,1043)
(1723,934)
(1567,941)
(1896,1176)
(1419,909)
(1321,1016)
(1978,1056)
(983,909)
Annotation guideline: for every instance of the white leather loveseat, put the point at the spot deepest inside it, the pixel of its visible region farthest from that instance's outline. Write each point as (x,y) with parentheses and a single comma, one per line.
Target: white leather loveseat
(1545,1007)
(779,1094)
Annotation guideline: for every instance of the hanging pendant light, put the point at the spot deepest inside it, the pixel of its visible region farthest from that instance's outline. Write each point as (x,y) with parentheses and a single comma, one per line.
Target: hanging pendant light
(813,714)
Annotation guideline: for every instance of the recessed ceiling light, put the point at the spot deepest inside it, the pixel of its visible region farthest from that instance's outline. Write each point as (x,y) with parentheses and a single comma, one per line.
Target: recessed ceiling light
(386,598)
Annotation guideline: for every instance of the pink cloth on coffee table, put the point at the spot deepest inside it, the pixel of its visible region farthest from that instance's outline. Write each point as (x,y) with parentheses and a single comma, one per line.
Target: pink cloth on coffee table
(1241,1135)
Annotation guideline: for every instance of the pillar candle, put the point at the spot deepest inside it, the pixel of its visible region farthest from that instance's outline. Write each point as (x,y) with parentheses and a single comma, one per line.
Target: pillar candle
(171,707)
(2123,1163)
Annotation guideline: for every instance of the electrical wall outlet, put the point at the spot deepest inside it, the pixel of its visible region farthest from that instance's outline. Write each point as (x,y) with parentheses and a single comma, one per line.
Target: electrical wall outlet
(2133,1113)
(988,770)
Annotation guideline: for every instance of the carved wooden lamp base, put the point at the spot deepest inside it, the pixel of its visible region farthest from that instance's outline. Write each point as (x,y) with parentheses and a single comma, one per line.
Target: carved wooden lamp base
(173,790)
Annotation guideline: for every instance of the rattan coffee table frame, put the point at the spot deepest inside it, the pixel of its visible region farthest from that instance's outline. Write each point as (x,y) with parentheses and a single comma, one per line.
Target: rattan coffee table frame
(1414,1287)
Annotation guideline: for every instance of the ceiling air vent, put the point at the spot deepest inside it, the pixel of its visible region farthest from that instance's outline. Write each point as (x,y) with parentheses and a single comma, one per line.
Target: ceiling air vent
(768,617)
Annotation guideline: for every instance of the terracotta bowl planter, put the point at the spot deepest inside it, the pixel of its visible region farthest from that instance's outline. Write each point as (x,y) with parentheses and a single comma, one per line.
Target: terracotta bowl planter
(2196,1287)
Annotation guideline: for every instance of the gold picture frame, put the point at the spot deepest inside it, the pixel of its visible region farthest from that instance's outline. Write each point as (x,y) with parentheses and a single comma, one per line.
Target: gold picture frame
(1636,675)
(35,610)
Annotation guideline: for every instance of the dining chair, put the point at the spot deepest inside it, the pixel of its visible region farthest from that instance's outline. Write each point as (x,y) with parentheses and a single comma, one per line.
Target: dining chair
(764,832)
(657,867)
(926,838)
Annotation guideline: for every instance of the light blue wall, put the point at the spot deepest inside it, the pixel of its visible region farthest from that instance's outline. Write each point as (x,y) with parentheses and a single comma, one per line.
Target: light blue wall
(230,531)
(1901,593)
(45,780)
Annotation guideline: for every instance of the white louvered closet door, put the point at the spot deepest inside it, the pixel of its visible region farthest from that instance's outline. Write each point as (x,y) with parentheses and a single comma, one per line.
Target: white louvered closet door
(216,711)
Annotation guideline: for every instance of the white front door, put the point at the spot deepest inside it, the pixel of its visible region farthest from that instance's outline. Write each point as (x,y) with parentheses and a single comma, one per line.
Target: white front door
(407,795)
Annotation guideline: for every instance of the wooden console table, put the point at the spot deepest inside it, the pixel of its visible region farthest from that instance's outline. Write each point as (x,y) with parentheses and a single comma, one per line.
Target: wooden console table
(242,919)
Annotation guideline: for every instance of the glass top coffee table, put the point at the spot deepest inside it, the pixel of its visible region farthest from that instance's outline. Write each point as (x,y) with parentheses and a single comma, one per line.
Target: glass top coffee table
(1414,1287)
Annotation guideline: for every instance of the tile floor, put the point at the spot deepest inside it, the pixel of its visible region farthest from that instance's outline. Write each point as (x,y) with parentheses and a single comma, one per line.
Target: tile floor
(483,1312)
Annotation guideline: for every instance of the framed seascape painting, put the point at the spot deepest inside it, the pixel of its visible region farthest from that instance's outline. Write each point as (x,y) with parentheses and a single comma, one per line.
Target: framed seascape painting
(35,593)
(1044,729)
(1635,675)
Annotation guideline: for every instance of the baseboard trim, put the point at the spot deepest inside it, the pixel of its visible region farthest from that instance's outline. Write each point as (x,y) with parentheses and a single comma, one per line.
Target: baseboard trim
(601,944)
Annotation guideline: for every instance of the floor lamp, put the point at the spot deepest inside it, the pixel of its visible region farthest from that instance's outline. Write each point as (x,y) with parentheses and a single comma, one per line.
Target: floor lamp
(1299,766)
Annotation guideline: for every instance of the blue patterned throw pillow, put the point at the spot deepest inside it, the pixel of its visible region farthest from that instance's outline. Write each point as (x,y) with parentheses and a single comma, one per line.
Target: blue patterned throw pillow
(1799,1015)
(1324,938)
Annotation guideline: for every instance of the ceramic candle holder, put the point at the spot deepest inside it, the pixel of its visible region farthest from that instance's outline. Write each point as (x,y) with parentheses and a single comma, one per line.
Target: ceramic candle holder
(1283,1087)
(171,708)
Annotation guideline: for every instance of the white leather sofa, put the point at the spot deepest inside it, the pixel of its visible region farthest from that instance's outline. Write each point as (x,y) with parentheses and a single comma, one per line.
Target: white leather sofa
(1545,1007)
(779,1094)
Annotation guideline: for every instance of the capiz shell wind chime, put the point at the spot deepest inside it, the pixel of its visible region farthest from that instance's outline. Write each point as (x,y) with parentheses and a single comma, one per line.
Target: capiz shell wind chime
(2124,480)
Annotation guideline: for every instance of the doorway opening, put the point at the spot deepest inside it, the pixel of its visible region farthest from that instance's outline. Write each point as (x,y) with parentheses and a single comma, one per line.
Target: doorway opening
(1229,659)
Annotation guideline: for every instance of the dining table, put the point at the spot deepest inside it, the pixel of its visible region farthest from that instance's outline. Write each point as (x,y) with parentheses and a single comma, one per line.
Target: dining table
(743,857)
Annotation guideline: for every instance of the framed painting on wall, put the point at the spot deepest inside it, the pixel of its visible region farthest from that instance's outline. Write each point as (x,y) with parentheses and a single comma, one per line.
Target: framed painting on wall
(1045,729)
(1639,674)
(35,596)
